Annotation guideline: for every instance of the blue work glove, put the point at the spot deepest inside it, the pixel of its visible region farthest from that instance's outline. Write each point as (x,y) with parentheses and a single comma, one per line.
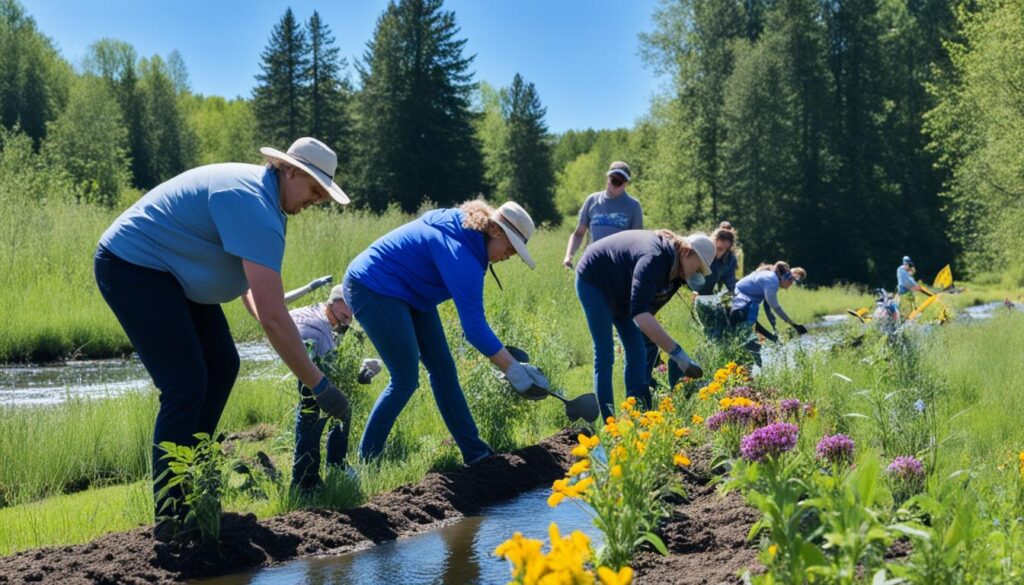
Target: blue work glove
(528,381)
(331,400)
(690,368)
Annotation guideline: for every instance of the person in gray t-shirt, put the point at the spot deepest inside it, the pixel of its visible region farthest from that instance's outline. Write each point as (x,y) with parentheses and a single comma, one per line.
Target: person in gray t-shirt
(606,212)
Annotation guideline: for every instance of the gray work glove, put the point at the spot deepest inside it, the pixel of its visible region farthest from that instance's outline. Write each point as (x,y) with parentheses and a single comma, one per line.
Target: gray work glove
(322,281)
(690,368)
(331,400)
(370,368)
(528,381)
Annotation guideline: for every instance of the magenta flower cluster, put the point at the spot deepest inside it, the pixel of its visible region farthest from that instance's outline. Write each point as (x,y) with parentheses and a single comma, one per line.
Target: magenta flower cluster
(835,449)
(770,441)
(793,409)
(907,469)
(741,416)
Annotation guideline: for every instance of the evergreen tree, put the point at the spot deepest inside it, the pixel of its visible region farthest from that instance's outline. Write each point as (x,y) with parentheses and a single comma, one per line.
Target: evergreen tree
(530,180)
(279,99)
(329,92)
(414,126)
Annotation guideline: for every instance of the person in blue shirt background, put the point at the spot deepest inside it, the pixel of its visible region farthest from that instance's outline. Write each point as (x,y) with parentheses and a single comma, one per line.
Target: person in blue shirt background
(906,286)
(762,286)
(200,239)
(394,287)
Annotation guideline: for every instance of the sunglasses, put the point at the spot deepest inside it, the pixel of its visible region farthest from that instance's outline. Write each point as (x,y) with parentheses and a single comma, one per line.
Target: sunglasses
(616,180)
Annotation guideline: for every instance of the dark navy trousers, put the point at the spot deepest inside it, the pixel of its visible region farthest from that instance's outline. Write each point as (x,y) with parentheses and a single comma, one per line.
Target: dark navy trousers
(185,346)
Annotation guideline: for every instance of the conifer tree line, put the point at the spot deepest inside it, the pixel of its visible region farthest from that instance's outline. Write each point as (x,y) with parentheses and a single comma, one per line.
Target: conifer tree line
(837,135)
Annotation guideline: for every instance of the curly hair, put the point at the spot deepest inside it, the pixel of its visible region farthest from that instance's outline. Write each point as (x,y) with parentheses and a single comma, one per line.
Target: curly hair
(477,215)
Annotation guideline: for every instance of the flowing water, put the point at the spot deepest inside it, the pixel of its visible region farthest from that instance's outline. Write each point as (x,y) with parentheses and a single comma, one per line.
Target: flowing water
(461,553)
(32,385)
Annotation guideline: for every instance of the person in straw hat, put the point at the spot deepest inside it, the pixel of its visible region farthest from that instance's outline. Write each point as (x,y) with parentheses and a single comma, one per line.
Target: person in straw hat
(394,287)
(203,238)
(621,281)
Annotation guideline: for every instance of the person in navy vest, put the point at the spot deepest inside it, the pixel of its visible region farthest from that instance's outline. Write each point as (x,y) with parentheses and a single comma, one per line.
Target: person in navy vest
(393,288)
(621,281)
(203,238)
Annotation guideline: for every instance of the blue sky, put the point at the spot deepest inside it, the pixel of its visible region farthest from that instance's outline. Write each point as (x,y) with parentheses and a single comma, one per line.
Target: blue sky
(580,54)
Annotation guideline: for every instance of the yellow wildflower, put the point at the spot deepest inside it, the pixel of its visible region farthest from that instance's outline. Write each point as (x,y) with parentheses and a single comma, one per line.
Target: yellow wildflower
(616,471)
(773,550)
(560,485)
(588,442)
(641,447)
(579,467)
(580,451)
(682,432)
(555,498)
(645,436)
(681,460)
(609,577)
(697,419)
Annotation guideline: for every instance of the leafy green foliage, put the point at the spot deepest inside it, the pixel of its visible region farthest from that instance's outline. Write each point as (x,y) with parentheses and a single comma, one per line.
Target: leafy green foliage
(90,141)
(198,472)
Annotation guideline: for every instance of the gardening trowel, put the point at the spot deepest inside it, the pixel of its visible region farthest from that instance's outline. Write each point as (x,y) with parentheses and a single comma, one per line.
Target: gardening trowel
(582,407)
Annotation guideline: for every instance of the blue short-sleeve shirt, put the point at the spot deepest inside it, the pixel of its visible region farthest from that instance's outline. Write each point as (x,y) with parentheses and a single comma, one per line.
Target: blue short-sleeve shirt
(200,225)
(904,281)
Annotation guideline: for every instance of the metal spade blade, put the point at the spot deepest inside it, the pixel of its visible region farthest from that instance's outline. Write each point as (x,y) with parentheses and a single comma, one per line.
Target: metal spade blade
(582,407)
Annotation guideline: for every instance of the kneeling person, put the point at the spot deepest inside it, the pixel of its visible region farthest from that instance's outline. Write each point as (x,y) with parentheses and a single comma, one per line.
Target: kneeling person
(320,327)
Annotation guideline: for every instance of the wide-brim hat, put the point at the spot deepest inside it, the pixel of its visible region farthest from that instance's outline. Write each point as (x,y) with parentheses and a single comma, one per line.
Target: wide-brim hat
(518,227)
(705,249)
(316,159)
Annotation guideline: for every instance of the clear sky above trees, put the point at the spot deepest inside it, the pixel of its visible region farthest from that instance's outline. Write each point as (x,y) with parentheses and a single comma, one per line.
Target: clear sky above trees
(580,54)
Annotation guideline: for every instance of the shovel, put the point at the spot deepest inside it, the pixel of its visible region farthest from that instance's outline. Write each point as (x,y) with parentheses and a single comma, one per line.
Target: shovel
(582,407)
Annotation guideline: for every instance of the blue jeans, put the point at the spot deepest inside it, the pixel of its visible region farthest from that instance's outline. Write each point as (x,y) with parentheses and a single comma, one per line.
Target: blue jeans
(403,337)
(309,427)
(186,347)
(600,321)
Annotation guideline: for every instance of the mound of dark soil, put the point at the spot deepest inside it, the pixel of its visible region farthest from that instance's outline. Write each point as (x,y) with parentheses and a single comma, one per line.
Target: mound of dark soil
(440,498)
(706,536)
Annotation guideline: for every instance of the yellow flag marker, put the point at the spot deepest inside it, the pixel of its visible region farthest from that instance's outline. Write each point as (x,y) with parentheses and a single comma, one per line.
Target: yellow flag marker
(944,279)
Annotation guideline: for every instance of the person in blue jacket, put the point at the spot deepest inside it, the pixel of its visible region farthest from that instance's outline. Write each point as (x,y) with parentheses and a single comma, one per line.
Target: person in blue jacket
(203,238)
(621,280)
(393,288)
(762,286)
